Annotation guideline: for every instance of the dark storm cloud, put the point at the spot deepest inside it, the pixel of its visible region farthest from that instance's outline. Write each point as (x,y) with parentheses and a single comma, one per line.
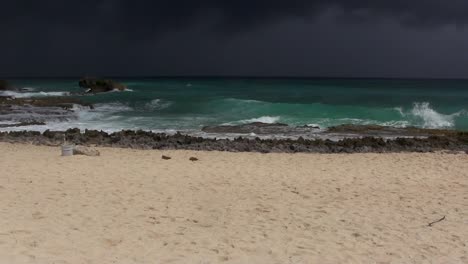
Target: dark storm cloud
(379,38)
(131,15)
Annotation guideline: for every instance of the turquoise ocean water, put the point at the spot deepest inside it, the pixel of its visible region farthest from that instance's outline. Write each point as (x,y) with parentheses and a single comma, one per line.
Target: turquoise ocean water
(187,104)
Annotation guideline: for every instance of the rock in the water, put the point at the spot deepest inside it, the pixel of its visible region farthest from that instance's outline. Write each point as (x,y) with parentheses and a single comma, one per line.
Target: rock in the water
(96,85)
(60,102)
(255,127)
(376,130)
(80,150)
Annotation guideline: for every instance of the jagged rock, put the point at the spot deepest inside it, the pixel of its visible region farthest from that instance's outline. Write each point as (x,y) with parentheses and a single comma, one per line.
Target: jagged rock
(456,141)
(258,128)
(376,130)
(73,131)
(96,85)
(81,150)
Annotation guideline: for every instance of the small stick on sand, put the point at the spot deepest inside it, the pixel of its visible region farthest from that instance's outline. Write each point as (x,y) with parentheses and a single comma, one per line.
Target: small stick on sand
(435,222)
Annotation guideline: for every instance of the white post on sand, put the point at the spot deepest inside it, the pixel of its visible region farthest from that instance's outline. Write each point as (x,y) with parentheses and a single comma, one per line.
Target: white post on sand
(67,149)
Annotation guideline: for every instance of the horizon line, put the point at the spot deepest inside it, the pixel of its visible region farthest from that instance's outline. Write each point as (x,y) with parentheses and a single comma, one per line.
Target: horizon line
(228,77)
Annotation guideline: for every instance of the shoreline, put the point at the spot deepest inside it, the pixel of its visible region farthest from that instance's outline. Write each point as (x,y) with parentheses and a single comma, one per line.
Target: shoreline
(131,206)
(427,141)
(87,104)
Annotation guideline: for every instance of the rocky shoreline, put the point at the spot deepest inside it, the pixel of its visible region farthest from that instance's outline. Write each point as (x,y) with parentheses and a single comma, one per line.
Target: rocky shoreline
(19,112)
(26,111)
(253,137)
(451,141)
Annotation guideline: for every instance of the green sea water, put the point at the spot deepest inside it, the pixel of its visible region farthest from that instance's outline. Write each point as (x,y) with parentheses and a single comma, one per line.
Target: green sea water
(188,104)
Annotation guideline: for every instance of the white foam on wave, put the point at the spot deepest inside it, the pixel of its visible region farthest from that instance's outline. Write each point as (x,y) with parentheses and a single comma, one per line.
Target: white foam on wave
(430,118)
(7,122)
(101,114)
(115,90)
(400,111)
(104,116)
(235,100)
(112,107)
(399,124)
(313,125)
(262,119)
(157,104)
(32,94)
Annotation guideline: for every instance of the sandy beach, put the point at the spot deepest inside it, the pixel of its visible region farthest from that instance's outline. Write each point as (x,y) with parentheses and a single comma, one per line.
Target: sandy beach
(130,206)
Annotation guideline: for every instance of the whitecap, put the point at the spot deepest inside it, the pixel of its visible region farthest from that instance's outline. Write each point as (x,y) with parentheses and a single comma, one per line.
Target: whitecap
(427,117)
(399,124)
(118,90)
(112,107)
(262,119)
(235,100)
(32,94)
(157,104)
(314,125)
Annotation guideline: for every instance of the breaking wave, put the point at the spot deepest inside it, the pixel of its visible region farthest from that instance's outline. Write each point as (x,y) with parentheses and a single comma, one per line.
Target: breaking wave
(262,119)
(423,115)
(32,94)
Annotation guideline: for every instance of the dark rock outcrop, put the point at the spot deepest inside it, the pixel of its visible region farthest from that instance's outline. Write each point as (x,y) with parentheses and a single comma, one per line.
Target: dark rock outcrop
(17,112)
(376,130)
(60,102)
(455,142)
(259,128)
(96,85)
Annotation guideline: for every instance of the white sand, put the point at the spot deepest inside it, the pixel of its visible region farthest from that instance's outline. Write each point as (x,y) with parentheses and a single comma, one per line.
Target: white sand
(130,206)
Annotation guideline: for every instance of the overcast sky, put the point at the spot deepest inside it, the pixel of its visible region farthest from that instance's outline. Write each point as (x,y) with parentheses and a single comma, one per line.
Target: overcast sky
(328,38)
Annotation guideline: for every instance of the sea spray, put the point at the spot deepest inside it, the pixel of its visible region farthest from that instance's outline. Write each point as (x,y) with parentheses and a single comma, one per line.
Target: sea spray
(423,115)
(262,119)
(15,94)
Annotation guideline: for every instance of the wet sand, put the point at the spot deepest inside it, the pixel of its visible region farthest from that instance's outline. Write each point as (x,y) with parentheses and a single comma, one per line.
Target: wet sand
(130,206)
